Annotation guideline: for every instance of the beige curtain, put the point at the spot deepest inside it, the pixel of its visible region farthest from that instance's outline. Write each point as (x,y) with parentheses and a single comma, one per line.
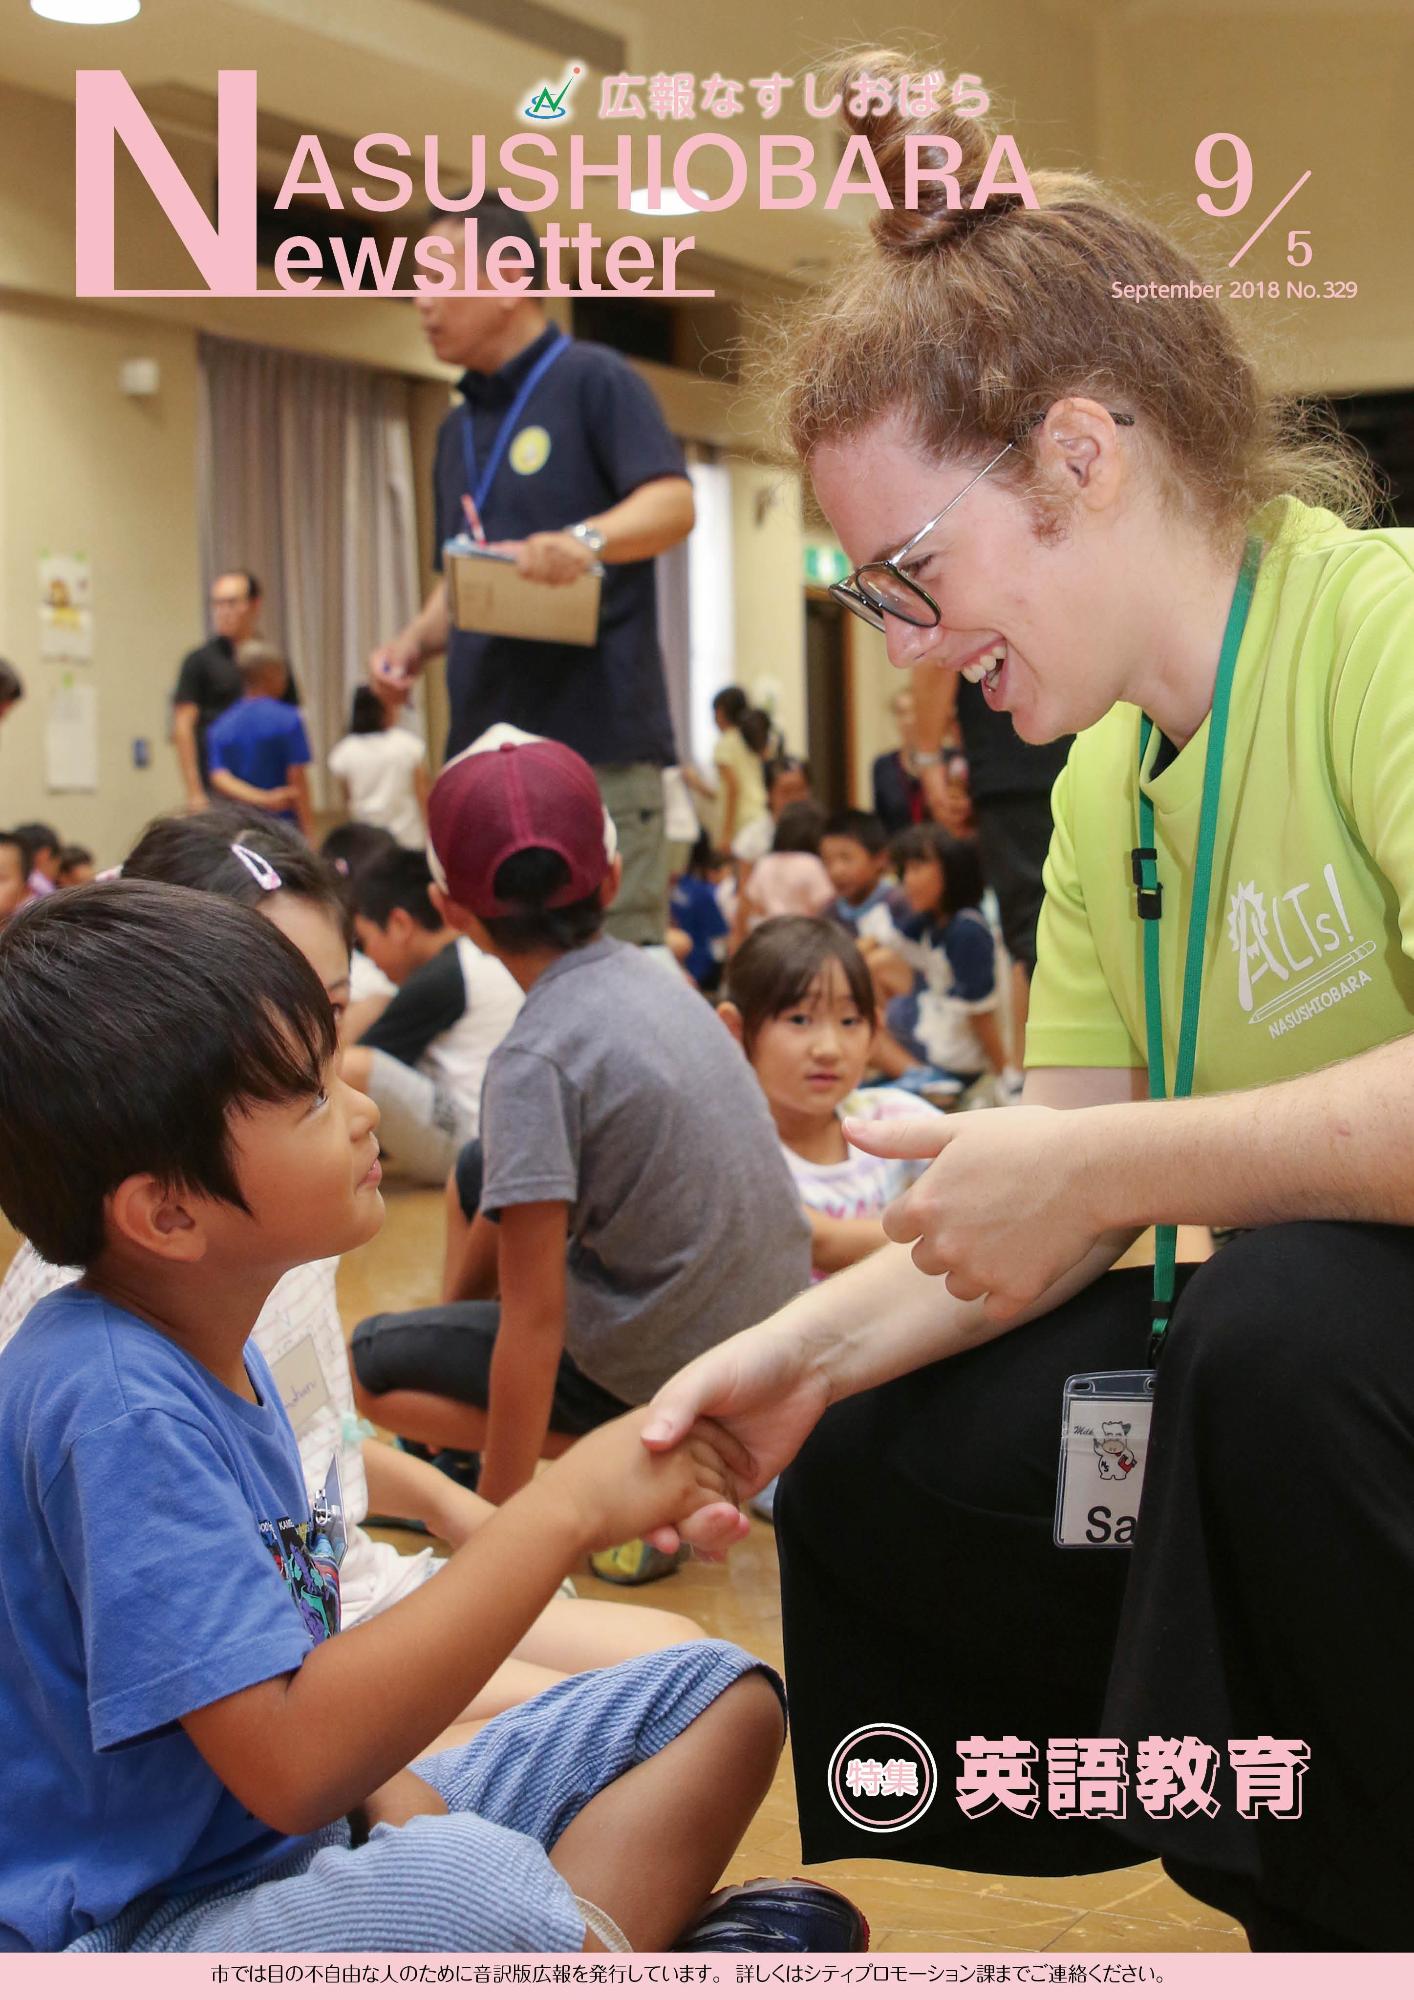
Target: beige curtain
(306,477)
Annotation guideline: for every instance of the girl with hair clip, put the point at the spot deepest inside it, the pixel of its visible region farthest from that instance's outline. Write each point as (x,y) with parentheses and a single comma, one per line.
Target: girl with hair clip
(1093,505)
(264,867)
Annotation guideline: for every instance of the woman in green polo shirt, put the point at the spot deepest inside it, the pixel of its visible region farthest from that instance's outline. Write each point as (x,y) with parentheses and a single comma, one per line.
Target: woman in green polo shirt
(1077,490)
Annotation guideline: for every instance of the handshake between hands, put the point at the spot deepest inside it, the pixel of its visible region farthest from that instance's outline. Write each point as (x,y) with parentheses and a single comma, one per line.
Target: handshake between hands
(618,1487)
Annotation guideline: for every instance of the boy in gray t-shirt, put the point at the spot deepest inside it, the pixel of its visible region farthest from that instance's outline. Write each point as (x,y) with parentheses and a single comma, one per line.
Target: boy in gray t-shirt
(645,1207)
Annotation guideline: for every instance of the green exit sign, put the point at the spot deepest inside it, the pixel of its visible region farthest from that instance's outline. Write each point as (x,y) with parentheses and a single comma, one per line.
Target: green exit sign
(825,564)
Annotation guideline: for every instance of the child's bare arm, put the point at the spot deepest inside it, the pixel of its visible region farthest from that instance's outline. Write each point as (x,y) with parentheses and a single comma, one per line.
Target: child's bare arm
(990,1036)
(529,1343)
(297,777)
(837,1241)
(310,1746)
(236,788)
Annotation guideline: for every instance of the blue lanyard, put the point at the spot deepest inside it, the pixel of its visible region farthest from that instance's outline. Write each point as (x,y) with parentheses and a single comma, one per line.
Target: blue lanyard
(1144,863)
(480,488)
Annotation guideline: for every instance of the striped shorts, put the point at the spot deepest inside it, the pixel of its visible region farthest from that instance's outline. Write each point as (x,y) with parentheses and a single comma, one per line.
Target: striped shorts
(480,1878)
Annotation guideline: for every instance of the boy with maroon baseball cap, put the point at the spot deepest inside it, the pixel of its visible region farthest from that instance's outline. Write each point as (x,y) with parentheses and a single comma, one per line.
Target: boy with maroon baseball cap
(644,1205)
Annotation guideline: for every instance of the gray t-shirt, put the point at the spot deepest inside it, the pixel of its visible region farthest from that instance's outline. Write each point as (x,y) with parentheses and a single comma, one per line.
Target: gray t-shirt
(619,1091)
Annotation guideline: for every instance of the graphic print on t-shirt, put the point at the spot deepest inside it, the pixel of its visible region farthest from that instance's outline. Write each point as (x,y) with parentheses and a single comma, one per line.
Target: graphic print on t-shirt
(308,1557)
(1280,943)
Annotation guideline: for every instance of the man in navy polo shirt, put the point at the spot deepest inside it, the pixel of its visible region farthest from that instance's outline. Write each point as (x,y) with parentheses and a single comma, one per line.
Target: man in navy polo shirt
(570,460)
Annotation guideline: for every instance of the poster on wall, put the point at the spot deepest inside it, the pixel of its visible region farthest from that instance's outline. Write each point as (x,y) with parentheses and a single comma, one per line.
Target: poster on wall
(71,737)
(66,608)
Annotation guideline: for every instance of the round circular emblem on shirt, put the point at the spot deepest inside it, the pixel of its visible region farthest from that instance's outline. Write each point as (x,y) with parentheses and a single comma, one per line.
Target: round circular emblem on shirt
(529,448)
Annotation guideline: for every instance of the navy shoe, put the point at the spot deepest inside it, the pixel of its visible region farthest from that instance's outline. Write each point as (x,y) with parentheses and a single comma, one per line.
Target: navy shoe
(768,1915)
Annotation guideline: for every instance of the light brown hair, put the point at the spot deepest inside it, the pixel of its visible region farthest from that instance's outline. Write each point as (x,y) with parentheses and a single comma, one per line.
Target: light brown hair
(969,324)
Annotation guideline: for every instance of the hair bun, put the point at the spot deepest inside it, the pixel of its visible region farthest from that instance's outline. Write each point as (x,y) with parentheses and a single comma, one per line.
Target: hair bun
(888,128)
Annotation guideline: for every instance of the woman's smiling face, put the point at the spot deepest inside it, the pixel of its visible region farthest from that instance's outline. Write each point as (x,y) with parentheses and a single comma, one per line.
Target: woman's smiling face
(1024,615)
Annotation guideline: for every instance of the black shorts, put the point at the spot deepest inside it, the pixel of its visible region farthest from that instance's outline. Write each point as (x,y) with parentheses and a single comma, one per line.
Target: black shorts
(446,1351)
(1013,833)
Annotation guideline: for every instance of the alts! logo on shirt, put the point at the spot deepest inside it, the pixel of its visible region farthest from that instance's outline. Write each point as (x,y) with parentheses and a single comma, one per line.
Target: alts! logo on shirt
(1297,954)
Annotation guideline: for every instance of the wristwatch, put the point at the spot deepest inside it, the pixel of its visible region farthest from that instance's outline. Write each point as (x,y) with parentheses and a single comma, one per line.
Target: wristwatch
(584,531)
(924,760)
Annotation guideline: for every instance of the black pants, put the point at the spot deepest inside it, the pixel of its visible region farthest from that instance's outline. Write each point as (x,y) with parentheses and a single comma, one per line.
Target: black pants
(1270,1590)
(447,1350)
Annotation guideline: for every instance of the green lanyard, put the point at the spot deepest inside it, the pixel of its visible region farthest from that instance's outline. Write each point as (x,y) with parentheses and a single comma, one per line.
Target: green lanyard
(1144,863)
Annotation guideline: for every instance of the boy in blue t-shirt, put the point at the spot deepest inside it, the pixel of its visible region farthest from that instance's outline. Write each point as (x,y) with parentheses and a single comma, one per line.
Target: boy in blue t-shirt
(257,750)
(197,1757)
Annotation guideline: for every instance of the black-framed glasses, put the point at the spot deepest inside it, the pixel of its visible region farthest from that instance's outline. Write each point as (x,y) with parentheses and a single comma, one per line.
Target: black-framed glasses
(879,588)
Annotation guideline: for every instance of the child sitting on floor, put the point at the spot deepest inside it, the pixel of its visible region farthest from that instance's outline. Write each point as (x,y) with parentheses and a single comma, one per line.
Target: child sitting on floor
(802,1006)
(855,851)
(938,961)
(627,1152)
(270,869)
(422,1059)
(206,1761)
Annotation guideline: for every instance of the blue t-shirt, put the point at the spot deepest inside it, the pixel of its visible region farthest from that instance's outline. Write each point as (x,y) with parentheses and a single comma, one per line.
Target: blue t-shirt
(258,740)
(694,908)
(150,1563)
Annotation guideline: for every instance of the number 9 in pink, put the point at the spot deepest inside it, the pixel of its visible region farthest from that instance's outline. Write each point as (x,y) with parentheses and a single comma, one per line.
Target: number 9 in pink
(1240,182)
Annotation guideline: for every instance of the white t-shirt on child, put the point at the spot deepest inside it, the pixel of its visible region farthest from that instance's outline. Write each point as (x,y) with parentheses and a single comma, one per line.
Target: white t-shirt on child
(860,1185)
(301,1337)
(378,769)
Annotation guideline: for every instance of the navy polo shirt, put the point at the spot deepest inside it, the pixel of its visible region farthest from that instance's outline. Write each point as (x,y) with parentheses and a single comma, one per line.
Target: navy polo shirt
(600,435)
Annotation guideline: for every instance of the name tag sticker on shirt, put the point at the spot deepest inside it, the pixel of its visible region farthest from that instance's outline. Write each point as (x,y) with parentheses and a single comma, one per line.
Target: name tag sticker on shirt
(529,449)
(1104,1450)
(299,1377)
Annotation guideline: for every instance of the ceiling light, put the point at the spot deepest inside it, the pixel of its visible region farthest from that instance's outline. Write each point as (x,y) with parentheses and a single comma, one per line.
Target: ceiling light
(669,202)
(87,13)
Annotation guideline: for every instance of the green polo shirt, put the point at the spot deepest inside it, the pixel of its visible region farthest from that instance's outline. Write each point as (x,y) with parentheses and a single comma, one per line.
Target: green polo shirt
(1311,919)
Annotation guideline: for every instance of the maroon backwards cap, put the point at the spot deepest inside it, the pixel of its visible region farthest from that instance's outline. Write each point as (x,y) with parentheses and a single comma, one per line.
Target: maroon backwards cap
(497,800)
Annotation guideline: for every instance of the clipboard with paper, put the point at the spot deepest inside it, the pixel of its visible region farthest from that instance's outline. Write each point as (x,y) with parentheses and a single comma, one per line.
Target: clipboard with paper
(486,593)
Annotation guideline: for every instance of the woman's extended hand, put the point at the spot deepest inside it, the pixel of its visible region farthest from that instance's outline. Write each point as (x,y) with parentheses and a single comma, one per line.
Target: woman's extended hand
(1004,1210)
(765,1391)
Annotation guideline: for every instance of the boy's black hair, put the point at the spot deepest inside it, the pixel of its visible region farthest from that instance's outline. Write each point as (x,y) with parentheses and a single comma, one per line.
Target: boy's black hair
(865,828)
(530,878)
(704,856)
(11,839)
(197,851)
(135,1018)
(353,845)
(780,961)
(799,829)
(34,835)
(12,688)
(75,857)
(368,716)
(960,860)
(495,219)
(396,879)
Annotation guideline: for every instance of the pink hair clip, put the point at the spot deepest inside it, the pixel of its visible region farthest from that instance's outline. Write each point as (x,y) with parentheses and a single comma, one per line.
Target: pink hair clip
(259,867)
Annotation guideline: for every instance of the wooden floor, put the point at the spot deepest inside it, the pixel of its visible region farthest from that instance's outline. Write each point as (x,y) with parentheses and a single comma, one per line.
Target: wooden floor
(909,1908)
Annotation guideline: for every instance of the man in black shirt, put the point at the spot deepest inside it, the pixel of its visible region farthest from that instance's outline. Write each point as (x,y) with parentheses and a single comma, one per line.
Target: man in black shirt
(564,452)
(210,679)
